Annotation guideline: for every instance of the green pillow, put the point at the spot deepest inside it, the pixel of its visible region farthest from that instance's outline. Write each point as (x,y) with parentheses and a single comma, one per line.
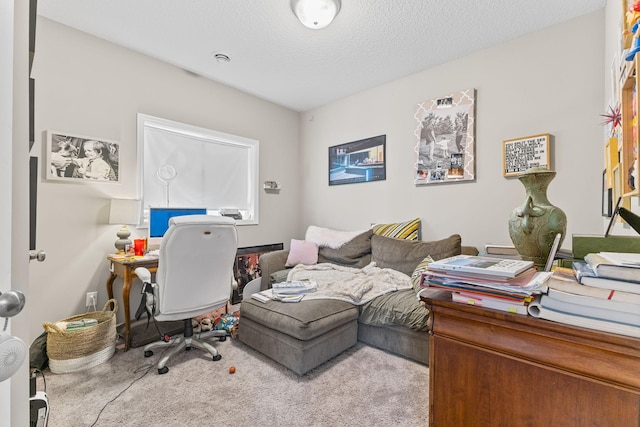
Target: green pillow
(405,255)
(417,273)
(355,253)
(395,308)
(279,276)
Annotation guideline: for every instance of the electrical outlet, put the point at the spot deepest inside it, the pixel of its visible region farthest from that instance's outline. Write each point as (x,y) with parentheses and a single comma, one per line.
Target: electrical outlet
(92,299)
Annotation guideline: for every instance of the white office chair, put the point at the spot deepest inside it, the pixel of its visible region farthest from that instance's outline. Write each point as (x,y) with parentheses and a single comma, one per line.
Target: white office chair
(194,277)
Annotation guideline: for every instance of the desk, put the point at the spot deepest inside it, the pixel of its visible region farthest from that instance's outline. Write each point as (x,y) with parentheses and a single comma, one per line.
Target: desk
(124,268)
(490,368)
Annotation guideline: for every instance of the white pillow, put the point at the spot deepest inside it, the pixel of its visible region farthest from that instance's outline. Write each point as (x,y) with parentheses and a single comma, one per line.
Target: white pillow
(302,252)
(328,237)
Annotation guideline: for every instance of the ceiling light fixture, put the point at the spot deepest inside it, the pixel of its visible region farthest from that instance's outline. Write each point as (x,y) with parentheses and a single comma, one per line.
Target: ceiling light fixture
(315,14)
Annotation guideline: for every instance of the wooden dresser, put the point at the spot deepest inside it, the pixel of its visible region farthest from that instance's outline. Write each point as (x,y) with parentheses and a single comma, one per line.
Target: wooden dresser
(491,368)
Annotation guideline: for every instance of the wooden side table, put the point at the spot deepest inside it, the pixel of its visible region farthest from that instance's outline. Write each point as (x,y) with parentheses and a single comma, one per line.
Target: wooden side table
(491,368)
(125,269)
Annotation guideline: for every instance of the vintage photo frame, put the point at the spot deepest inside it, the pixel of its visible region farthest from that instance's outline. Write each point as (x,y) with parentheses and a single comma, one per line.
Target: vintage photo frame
(520,154)
(358,161)
(80,158)
(247,268)
(446,139)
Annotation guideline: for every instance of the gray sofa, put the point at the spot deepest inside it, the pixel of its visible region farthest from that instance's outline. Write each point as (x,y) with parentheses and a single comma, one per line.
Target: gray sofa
(395,322)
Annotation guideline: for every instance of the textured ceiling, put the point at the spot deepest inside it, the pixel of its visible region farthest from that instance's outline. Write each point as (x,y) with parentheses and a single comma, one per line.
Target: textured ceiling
(274,57)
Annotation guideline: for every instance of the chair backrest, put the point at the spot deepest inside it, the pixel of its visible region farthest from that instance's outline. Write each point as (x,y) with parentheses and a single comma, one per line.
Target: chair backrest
(195,268)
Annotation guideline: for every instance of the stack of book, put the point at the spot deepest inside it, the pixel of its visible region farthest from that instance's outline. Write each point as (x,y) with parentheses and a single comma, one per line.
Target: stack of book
(289,291)
(602,293)
(502,284)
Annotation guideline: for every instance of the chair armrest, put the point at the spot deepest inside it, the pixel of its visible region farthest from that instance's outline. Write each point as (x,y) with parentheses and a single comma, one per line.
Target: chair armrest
(271,262)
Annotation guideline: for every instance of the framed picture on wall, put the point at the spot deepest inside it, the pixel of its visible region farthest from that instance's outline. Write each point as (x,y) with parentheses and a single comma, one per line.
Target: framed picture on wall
(446,139)
(358,161)
(520,154)
(81,158)
(246,266)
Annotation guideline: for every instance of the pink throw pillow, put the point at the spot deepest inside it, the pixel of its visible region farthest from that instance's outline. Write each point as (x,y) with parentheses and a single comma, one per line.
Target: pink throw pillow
(302,252)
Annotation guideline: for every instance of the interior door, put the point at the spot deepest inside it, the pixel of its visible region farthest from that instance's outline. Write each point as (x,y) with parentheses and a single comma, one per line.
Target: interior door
(14,191)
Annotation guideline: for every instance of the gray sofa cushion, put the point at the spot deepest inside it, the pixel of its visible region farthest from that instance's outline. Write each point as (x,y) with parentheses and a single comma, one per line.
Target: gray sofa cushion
(405,255)
(395,308)
(355,253)
(279,276)
(304,320)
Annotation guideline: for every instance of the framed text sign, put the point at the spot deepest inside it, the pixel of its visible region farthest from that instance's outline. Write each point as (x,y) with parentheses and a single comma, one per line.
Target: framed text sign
(520,154)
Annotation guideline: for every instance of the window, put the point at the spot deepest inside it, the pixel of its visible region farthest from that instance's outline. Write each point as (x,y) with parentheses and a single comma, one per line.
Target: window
(185,166)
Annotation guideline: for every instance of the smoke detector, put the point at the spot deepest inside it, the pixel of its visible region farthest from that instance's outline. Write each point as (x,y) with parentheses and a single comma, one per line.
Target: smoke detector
(222,58)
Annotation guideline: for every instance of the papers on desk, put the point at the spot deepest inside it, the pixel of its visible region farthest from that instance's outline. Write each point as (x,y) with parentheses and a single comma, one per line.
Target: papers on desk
(124,257)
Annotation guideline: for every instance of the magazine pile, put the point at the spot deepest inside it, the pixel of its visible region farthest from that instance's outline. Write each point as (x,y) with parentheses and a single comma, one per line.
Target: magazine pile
(602,293)
(501,284)
(289,291)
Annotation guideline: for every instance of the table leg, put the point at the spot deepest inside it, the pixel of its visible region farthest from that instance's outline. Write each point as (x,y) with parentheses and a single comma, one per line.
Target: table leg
(126,271)
(126,291)
(110,280)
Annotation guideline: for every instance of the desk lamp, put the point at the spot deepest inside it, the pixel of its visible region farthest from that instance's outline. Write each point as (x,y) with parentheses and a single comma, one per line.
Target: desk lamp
(125,212)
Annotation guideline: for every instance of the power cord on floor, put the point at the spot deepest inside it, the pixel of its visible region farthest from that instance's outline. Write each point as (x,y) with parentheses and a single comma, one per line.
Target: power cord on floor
(44,380)
(146,369)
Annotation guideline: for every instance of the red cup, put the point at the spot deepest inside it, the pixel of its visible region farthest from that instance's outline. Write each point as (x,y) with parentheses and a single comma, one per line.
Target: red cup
(138,246)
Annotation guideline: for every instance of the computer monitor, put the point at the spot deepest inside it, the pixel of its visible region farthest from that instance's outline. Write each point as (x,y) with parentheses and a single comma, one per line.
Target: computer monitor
(159,221)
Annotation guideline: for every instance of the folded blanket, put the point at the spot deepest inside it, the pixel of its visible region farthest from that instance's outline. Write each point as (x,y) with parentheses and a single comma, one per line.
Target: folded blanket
(354,285)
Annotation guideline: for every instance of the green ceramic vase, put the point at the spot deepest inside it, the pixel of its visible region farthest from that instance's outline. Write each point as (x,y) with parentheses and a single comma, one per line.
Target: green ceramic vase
(533,225)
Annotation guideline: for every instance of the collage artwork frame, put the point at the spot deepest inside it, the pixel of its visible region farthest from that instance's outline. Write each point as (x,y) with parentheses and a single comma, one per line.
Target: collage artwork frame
(66,159)
(446,139)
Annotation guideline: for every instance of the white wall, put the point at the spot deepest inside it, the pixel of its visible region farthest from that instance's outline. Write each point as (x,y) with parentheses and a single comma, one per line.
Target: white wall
(547,82)
(86,86)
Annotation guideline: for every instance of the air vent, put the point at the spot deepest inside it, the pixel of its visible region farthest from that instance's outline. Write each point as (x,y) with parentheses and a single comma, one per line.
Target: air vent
(222,58)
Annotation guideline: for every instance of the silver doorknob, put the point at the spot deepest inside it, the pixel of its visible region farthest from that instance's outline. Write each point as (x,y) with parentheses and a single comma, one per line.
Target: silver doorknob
(40,255)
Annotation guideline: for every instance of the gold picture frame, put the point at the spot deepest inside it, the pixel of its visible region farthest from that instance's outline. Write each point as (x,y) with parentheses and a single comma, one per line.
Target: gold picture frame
(520,154)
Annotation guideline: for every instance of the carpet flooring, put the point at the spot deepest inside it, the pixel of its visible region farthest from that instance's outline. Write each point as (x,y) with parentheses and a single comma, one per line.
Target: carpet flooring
(363,386)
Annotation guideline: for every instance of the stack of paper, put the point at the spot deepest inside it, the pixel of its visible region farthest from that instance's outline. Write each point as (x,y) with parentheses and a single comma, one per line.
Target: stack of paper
(294,287)
(502,284)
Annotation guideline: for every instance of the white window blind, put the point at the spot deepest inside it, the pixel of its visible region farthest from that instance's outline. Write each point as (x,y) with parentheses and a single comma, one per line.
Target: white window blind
(186,166)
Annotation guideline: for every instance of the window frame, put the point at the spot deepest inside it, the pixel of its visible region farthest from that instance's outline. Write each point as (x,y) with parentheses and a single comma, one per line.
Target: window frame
(250,215)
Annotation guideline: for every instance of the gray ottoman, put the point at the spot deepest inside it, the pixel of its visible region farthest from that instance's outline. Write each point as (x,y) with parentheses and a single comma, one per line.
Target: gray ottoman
(299,335)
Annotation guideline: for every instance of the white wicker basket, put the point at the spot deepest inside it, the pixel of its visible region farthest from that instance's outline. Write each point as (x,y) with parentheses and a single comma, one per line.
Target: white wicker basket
(78,350)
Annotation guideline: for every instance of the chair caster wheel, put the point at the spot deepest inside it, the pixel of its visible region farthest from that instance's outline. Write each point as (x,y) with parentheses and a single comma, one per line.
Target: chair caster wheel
(222,338)
(163,370)
(217,357)
(148,353)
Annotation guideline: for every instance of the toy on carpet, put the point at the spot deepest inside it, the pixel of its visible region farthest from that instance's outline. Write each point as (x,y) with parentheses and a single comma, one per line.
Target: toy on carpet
(225,321)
